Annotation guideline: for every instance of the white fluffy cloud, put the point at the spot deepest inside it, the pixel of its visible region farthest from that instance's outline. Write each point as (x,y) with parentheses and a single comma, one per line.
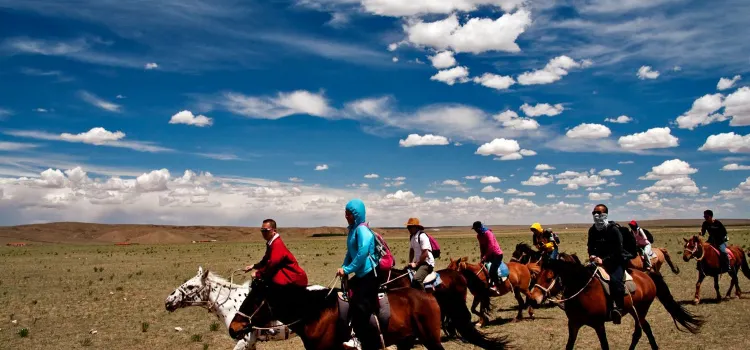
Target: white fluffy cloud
(610,172)
(623,119)
(399,8)
(187,117)
(702,112)
(552,72)
(511,120)
(589,131)
(574,180)
(321,167)
(154,181)
(489,179)
(734,167)
(678,184)
(727,142)
(490,189)
(538,180)
(543,167)
(451,76)
(542,109)
(726,83)
(504,149)
(646,72)
(672,167)
(150,66)
(737,106)
(95,136)
(645,200)
(593,196)
(651,138)
(274,107)
(443,59)
(494,81)
(372,176)
(427,140)
(477,35)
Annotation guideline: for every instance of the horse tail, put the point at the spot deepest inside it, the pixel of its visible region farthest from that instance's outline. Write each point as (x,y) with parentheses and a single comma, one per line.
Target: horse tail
(679,314)
(745,268)
(675,269)
(455,309)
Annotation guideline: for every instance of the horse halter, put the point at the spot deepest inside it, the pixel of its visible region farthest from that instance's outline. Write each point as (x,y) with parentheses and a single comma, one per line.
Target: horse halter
(694,250)
(513,258)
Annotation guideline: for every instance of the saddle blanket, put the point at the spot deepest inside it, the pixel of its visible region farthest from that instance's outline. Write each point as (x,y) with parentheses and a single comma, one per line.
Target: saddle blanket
(430,282)
(603,277)
(384,311)
(729,253)
(502,271)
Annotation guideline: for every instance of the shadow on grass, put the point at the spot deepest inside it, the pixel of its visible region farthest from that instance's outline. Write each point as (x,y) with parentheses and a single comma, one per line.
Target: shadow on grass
(502,321)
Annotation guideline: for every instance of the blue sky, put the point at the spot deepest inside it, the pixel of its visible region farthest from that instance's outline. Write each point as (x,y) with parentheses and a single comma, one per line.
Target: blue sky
(506,111)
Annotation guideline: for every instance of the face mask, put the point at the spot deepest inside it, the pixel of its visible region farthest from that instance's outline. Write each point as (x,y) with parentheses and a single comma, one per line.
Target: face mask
(600,221)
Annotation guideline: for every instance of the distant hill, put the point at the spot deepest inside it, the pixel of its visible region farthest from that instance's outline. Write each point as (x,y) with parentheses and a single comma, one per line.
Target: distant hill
(88,233)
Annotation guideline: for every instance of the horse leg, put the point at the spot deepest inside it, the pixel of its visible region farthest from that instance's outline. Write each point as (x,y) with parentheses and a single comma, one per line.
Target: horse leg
(697,298)
(637,333)
(573,329)
(602,334)
(521,304)
(651,340)
(716,287)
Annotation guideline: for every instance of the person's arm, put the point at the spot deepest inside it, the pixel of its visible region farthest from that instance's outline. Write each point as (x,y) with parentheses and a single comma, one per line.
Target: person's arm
(263,261)
(723,231)
(485,245)
(703,228)
(363,245)
(411,252)
(425,246)
(590,244)
(274,262)
(615,246)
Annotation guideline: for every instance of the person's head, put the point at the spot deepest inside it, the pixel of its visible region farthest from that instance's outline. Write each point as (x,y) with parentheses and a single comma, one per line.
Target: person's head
(268,229)
(355,212)
(633,224)
(600,213)
(708,215)
(536,228)
(413,226)
(477,226)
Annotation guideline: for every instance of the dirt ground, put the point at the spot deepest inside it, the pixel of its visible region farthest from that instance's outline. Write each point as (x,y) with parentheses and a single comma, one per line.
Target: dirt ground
(61,292)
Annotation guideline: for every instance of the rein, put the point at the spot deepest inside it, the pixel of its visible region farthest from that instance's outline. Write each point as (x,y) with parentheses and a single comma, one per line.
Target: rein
(546,291)
(208,304)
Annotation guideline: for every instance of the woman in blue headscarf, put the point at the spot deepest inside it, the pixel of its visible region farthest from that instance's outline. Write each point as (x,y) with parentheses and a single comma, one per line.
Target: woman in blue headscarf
(360,247)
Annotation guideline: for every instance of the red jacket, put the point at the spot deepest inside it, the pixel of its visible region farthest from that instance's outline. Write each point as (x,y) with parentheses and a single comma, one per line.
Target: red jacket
(279,266)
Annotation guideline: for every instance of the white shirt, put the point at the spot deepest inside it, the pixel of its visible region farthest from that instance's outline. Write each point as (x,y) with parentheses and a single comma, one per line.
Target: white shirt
(417,243)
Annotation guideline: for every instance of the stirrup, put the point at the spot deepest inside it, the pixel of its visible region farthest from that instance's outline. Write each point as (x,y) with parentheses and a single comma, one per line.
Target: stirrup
(616,316)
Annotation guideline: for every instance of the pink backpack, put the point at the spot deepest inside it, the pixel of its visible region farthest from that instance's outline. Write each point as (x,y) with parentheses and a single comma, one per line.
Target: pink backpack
(383,256)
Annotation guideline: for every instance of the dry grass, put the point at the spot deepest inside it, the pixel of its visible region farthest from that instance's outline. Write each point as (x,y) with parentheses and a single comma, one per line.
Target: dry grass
(61,292)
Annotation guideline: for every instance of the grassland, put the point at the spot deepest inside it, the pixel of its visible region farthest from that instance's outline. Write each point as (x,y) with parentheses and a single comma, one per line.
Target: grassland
(61,292)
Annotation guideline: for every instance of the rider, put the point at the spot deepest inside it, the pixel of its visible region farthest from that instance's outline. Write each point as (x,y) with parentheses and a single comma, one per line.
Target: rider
(420,253)
(605,249)
(360,246)
(641,241)
(717,237)
(544,240)
(489,250)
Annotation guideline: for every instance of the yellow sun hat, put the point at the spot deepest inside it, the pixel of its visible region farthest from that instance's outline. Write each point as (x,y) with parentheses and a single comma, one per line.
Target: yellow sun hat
(536,226)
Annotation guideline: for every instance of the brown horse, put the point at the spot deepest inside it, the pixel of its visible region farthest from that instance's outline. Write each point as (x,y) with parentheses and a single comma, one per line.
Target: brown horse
(534,259)
(662,256)
(314,316)
(586,303)
(707,258)
(477,277)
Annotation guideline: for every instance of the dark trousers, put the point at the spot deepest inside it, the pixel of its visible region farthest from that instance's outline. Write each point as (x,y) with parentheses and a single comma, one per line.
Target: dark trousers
(419,275)
(494,265)
(617,284)
(362,304)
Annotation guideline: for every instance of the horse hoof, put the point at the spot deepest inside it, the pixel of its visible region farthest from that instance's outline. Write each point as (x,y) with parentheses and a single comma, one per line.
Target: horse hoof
(696,301)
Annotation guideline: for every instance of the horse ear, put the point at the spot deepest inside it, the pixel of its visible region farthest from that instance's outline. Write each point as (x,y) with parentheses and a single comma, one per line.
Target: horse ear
(200,270)
(685,239)
(205,274)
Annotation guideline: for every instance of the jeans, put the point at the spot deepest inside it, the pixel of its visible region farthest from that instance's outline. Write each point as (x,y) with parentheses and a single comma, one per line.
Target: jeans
(419,275)
(646,255)
(554,254)
(617,284)
(724,256)
(494,265)
(362,304)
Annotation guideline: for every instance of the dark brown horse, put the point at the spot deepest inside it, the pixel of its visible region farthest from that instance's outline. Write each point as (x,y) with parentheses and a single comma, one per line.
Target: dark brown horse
(524,254)
(314,316)
(477,277)
(707,258)
(586,303)
(662,256)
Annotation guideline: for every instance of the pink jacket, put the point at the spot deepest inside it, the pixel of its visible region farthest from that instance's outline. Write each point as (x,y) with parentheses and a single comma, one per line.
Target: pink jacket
(640,237)
(488,246)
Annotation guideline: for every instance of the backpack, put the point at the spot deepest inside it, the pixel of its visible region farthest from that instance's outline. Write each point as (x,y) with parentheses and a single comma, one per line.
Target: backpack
(434,246)
(628,240)
(382,255)
(649,236)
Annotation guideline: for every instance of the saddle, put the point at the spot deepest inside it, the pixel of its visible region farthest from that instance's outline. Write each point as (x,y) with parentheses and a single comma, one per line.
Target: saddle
(383,313)
(430,282)
(603,277)
(502,271)
(729,253)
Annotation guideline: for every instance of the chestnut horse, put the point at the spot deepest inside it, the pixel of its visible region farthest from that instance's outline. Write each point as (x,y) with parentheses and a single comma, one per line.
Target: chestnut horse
(662,256)
(586,303)
(477,277)
(524,254)
(314,316)
(707,264)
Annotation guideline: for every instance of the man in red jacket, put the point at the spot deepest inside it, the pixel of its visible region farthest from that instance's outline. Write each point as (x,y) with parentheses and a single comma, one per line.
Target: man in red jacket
(278,266)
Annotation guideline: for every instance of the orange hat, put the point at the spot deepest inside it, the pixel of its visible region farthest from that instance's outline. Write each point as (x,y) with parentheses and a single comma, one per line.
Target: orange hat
(413,222)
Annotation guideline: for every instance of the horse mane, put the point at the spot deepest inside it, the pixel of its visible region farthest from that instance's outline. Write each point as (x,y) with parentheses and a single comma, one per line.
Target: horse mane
(575,275)
(523,246)
(215,278)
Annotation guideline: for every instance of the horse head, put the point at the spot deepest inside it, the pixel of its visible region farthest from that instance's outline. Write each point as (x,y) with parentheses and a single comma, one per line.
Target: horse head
(522,253)
(456,264)
(193,292)
(258,312)
(545,281)
(692,246)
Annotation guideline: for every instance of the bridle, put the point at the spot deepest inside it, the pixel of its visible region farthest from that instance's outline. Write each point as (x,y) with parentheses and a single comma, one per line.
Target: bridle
(694,250)
(204,294)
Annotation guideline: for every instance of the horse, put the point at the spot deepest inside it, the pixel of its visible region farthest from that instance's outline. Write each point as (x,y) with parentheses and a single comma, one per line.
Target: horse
(707,264)
(524,254)
(662,256)
(314,316)
(477,277)
(220,297)
(586,301)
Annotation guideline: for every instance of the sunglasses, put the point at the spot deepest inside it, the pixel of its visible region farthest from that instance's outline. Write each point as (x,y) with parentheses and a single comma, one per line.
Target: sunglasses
(264,230)
(597,212)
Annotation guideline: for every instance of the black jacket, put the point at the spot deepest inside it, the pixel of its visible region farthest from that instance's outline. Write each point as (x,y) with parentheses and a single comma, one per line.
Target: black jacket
(717,233)
(607,245)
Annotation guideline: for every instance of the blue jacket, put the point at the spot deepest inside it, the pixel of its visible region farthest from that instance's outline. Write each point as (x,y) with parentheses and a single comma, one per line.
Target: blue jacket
(360,242)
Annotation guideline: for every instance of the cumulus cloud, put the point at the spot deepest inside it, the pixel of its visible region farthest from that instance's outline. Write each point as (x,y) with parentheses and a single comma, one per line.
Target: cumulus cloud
(702,112)
(443,59)
(678,184)
(505,149)
(543,167)
(451,76)
(646,200)
(589,131)
(734,167)
(610,172)
(574,180)
(650,139)
(427,140)
(150,66)
(727,142)
(737,106)
(321,167)
(98,102)
(154,181)
(372,176)
(296,179)
(96,136)
(538,180)
(646,72)
(593,196)
(495,81)
(542,109)
(557,68)
(187,117)
(398,8)
(623,119)
(511,120)
(282,105)
(490,189)
(490,179)
(477,35)
(727,83)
